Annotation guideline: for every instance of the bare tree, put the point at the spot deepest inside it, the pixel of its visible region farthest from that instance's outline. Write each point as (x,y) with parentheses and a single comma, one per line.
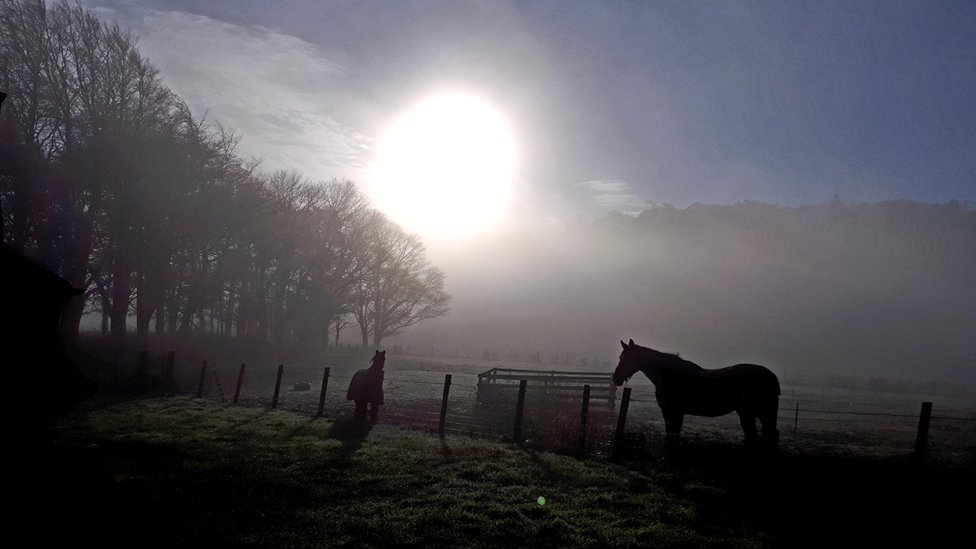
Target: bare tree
(400,287)
(107,178)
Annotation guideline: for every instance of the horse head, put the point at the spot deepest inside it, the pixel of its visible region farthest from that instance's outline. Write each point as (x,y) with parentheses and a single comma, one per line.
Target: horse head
(628,364)
(378,360)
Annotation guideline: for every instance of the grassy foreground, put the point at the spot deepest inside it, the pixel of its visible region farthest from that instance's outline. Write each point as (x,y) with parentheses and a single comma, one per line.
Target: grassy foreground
(193,473)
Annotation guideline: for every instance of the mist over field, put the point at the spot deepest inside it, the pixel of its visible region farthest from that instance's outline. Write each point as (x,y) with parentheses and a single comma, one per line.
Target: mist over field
(451,215)
(883,289)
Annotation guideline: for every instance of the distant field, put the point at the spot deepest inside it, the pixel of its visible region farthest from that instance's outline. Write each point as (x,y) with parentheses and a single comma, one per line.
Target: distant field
(194,472)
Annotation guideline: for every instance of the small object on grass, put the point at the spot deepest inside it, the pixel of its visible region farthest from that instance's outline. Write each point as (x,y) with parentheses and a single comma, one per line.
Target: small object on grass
(541,500)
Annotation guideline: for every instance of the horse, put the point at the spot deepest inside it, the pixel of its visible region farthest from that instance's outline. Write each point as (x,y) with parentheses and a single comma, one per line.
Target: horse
(366,387)
(683,387)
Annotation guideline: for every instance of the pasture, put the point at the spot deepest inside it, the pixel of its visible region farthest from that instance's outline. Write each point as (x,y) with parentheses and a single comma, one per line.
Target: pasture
(196,472)
(188,471)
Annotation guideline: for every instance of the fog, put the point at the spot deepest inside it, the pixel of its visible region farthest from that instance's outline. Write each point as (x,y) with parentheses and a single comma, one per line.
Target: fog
(872,290)
(233,194)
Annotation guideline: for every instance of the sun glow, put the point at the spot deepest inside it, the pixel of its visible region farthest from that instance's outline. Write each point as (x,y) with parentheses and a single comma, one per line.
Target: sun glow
(445,168)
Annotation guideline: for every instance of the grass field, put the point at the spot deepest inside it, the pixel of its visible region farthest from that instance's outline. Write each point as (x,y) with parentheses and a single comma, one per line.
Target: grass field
(186,472)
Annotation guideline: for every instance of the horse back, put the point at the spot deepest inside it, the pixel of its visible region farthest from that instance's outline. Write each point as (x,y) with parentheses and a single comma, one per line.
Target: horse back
(716,392)
(760,378)
(366,385)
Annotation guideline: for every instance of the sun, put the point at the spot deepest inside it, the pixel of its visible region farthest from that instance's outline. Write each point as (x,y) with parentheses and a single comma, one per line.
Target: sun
(445,167)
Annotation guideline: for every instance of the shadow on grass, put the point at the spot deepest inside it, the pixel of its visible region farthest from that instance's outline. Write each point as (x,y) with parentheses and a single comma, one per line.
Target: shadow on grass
(351,433)
(247,420)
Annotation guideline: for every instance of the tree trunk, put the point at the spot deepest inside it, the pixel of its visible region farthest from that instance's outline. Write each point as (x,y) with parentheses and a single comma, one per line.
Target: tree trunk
(73,311)
(146,306)
(120,299)
(75,268)
(106,306)
(160,319)
(172,312)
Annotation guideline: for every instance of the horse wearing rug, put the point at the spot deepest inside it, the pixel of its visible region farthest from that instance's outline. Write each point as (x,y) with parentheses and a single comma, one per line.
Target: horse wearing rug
(682,387)
(366,387)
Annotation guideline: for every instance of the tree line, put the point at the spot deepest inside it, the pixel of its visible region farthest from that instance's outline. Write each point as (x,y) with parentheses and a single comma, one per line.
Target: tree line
(109,180)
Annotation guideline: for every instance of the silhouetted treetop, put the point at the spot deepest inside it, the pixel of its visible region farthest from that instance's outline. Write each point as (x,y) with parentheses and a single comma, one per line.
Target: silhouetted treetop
(107,178)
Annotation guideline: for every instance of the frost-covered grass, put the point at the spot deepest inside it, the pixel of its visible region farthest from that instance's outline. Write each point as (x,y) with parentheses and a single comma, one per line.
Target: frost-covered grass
(207,473)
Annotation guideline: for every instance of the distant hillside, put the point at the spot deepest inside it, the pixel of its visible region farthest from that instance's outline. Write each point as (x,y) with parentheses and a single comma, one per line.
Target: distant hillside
(885,289)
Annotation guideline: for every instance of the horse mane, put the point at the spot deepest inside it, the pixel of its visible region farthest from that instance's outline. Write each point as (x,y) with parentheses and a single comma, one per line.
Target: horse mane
(671,360)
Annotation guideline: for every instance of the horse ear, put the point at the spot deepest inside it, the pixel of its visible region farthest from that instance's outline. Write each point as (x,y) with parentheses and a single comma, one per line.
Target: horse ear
(631,342)
(622,344)
(383,353)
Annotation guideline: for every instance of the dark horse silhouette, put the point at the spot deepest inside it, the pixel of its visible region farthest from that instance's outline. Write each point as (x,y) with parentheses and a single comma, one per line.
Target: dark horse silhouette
(366,387)
(683,387)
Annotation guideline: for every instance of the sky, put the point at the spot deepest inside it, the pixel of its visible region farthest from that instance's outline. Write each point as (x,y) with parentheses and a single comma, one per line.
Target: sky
(607,106)
(613,105)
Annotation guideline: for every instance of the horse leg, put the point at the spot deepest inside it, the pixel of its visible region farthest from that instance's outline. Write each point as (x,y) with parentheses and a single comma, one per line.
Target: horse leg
(373,409)
(748,420)
(672,425)
(360,408)
(770,409)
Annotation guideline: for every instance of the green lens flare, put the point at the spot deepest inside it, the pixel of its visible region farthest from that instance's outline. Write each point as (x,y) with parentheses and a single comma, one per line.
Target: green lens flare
(541,500)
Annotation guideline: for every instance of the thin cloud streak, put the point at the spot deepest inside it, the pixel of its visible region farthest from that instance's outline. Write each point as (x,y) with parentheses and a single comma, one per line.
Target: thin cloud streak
(606,195)
(276,91)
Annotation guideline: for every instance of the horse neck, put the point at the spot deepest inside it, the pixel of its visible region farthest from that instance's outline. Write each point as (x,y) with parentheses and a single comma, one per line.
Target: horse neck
(650,364)
(654,362)
(652,371)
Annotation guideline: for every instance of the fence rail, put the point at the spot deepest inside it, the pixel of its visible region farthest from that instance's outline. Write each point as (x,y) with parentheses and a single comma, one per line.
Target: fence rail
(567,422)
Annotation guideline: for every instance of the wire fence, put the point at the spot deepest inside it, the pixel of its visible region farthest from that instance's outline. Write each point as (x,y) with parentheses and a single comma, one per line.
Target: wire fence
(846,423)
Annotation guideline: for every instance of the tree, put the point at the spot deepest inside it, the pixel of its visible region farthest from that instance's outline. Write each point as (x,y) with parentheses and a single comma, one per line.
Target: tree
(400,288)
(107,179)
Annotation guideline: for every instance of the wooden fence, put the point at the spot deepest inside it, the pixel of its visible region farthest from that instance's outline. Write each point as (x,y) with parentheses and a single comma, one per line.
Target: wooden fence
(500,385)
(508,397)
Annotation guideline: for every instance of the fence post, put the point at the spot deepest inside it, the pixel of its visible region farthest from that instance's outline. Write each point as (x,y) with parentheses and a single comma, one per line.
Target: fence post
(618,435)
(141,371)
(922,440)
(203,379)
(796,418)
(274,399)
(584,413)
(519,409)
(240,380)
(447,390)
(325,384)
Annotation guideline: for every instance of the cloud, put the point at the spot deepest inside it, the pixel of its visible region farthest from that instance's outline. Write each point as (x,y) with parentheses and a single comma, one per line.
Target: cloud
(278,92)
(609,195)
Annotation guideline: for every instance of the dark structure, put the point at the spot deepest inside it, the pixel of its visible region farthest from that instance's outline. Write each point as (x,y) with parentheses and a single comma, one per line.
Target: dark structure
(682,387)
(45,383)
(366,387)
(66,486)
